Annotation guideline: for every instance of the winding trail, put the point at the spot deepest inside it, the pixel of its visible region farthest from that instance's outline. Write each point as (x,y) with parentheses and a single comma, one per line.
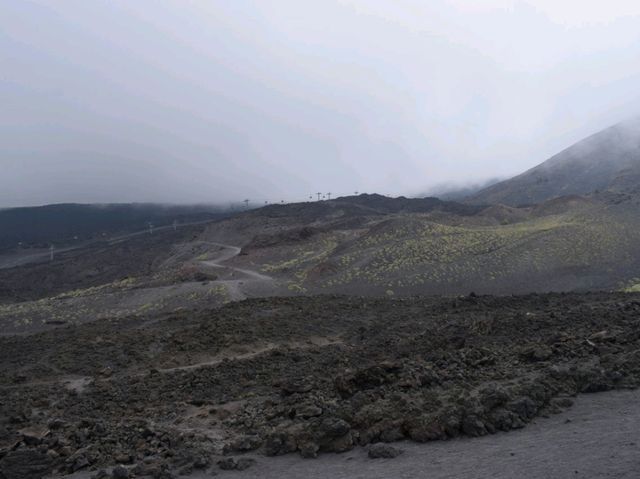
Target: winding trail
(233,285)
(257,350)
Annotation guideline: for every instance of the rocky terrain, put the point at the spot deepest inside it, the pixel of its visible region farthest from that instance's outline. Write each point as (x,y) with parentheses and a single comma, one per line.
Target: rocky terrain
(204,348)
(595,438)
(195,390)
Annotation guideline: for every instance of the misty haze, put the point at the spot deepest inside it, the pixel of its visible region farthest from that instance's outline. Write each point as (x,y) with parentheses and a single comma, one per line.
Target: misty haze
(322,239)
(218,101)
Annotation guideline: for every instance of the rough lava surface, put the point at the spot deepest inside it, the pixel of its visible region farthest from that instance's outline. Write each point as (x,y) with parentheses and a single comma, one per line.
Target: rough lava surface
(196,390)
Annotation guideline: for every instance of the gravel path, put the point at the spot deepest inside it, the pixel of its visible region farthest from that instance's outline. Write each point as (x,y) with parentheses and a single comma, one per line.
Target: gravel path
(232,252)
(235,287)
(598,437)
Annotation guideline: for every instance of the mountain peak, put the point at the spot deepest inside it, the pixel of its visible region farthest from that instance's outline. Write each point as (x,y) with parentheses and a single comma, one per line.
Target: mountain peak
(607,160)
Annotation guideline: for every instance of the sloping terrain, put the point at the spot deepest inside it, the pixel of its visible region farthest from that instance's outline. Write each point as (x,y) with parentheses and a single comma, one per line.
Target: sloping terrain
(96,264)
(365,245)
(566,244)
(65,224)
(167,352)
(141,275)
(579,230)
(609,160)
(307,375)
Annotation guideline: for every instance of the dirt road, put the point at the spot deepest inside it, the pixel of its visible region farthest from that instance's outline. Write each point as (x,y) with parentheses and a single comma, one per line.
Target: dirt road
(235,286)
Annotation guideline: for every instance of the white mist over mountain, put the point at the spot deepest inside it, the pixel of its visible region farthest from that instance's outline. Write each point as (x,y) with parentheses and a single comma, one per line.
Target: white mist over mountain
(270,100)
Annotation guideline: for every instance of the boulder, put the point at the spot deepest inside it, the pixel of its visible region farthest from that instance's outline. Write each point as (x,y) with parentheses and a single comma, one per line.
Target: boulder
(425,428)
(308,411)
(524,407)
(334,435)
(473,426)
(535,352)
(367,378)
(34,435)
(248,442)
(504,420)
(280,442)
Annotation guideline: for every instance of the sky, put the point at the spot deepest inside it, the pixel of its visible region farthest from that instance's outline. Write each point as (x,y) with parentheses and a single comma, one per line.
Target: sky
(270,100)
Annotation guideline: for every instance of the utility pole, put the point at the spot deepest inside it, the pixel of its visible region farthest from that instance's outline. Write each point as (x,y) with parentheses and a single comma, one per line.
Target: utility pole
(51,252)
(246,204)
(319,194)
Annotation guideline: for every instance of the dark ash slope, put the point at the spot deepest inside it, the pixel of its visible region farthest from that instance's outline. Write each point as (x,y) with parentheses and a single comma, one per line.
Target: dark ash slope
(609,159)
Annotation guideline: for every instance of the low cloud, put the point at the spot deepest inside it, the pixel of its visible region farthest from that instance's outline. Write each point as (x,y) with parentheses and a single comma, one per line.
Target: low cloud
(217,101)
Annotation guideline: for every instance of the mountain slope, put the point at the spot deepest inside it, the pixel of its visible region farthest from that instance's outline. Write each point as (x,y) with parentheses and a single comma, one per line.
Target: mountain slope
(608,160)
(565,244)
(62,222)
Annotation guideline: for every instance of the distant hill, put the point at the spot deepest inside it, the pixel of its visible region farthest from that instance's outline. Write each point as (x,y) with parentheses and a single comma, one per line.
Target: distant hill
(378,245)
(364,204)
(608,160)
(38,226)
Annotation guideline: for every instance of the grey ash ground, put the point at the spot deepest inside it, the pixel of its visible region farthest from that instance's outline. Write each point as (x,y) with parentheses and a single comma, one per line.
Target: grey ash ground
(307,375)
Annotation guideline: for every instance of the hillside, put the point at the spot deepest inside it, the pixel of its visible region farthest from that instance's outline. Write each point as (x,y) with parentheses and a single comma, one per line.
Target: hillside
(363,205)
(566,244)
(363,245)
(146,356)
(608,160)
(41,225)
